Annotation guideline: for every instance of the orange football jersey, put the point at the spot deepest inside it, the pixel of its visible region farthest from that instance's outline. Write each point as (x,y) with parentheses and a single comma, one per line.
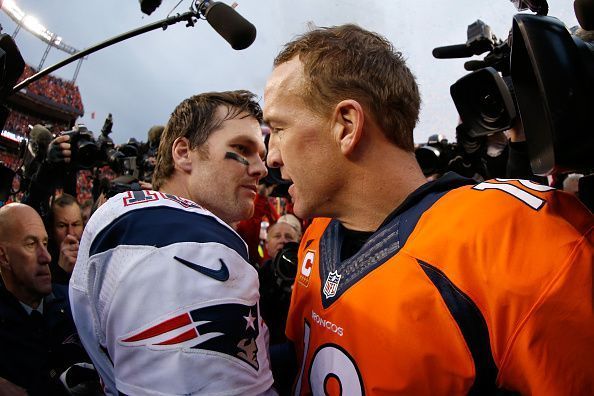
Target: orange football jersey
(461,291)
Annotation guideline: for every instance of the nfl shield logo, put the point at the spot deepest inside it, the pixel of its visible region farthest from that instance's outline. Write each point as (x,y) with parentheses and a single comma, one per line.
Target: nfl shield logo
(331,284)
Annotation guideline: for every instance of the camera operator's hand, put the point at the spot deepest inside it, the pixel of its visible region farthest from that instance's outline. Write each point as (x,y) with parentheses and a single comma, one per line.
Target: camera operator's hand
(9,389)
(68,253)
(516,132)
(59,150)
(145,185)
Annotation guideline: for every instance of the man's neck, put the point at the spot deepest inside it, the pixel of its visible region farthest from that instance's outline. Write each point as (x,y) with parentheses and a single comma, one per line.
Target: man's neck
(366,204)
(173,187)
(28,299)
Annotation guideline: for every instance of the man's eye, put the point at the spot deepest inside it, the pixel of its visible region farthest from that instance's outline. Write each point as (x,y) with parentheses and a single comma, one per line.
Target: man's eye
(241,148)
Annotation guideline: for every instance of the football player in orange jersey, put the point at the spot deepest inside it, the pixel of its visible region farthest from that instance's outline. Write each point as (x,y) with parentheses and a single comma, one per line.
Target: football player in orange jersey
(412,287)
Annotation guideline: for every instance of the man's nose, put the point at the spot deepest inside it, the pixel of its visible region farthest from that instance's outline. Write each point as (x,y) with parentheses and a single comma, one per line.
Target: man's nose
(274,159)
(43,255)
(258,168)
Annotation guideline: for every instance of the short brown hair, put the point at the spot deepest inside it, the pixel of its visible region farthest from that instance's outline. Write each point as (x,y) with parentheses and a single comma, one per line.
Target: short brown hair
(62,201)
(195,118)
(349,62)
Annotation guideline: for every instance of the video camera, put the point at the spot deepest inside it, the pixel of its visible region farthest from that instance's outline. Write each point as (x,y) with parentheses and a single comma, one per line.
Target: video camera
(542,73)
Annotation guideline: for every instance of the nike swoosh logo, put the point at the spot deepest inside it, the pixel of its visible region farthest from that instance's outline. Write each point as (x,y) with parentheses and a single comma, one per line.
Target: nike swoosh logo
(222,274)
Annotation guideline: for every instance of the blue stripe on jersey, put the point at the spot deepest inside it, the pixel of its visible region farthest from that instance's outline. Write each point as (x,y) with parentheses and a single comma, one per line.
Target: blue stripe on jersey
(474,329)
(162,226)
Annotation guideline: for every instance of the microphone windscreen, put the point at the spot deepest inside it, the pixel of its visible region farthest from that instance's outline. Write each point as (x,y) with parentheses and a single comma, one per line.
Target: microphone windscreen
(234,28)
(41,137)
(584,12)
(154,134)
(452,51)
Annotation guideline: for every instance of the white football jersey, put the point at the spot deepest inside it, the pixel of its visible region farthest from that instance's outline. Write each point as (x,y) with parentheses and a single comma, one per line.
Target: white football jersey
(165,301)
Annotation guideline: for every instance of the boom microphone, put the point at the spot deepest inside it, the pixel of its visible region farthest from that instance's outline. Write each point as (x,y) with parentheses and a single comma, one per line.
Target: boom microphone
(453,51)
(584,12)
(234,28)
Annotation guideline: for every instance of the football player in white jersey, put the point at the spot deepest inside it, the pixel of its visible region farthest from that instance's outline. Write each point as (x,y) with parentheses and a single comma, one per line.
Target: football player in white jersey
(162,294)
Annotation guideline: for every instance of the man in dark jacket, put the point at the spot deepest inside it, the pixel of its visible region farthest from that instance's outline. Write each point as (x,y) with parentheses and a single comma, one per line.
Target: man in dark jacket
(65,229)
(38,338)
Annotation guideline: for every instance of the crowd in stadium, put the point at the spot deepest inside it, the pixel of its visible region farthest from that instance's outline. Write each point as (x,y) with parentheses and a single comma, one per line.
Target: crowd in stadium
(20,123)
(54,88)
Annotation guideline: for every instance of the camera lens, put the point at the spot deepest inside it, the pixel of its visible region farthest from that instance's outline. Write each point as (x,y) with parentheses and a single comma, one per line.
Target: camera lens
(430,159)
(87,153)
(490,108)
(484,102)
(285,262)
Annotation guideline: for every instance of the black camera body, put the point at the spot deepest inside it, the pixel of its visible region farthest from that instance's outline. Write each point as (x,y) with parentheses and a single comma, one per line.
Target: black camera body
(83,148)
(126,159)
(86,152)
(541,73)
(439,156)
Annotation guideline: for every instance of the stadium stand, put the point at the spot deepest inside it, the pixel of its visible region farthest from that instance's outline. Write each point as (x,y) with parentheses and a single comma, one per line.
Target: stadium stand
(50,101)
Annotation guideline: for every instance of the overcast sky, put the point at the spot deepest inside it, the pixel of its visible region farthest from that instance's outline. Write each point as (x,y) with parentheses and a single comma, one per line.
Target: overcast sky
(141,80)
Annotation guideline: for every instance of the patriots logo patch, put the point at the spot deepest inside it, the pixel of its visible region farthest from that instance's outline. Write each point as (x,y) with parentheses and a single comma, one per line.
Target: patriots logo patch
(231,329)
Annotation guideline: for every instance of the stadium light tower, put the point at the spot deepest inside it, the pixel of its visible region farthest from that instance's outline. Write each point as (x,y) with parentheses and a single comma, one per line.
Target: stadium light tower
(35,27)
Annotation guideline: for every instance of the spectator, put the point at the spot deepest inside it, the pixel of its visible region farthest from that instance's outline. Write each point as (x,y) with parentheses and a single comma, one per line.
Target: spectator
(66,228)
(412,287)
(251,230)
(37,336)
(162,293)
(286,229)
(86,208)
(275,294)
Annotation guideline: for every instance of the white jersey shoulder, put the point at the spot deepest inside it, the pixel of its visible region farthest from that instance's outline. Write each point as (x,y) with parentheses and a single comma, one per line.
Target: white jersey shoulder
(165,301)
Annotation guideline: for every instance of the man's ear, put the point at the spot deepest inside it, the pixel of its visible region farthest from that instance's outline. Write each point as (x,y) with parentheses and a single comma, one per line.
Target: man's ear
(180,151)
(4,263)
(347,125)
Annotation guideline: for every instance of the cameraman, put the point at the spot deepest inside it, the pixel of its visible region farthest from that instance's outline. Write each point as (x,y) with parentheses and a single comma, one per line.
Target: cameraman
(276,280)
(44,181)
